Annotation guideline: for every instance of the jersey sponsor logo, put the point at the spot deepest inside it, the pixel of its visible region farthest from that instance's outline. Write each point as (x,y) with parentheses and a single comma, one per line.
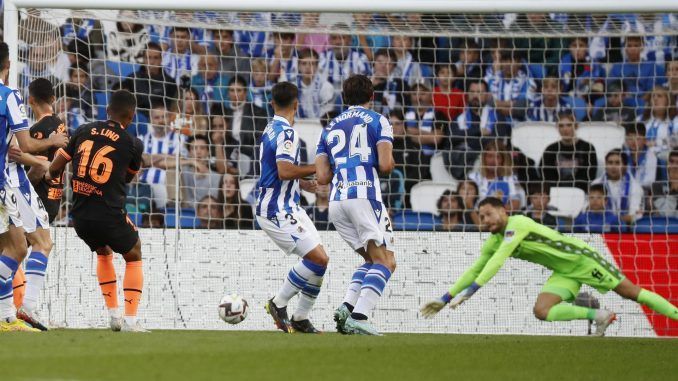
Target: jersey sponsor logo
(55,193)
(85,188)
(358,183)
(508,235)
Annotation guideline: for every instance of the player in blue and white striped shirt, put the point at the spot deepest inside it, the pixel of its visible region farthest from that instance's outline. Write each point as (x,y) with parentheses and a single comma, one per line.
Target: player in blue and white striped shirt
(279,215)
(12,240)
(353,149)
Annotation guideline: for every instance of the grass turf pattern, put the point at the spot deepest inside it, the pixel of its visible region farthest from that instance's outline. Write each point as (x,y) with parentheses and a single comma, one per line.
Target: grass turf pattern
(211,355)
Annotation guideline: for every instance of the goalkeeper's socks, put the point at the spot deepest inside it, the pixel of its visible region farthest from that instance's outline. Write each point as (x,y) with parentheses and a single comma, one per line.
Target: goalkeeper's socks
(132,285)
(36,266)
(310,291)
(353,291)
(371,290)
(19,287)
(566,312)
(8,267)
(294,282)
(658,304)
(107,280)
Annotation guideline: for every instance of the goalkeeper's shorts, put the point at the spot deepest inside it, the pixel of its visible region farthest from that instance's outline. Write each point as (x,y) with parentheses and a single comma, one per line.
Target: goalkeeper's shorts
(592,270)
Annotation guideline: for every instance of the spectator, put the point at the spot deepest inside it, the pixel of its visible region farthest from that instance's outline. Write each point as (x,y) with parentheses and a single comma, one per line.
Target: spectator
(44,60)
(478,120)
(209,213)
(150,80)
(128,41)
(468,191)
(659,123)
(224,146)
(578,71)
(468,67)
(161,143)
(451,209)
(389,92)
(426,127)
(642,159)
(570,162)
(247,123)
(615,106)
(405,151)
(67,109)
(316,95)
(283,61)
(370,42)
(254,43)
(232,60)
(550,102)
(447,98)
(510,84)
(198,177)
(342,59)
(79,84)
(210,83)
(314,41)
(495,177)
(656,47)
(260,86)
(319,212)
(236,212)
(88,30)
(407,68)
(596,219)
(193,120)
(664,194)
(538,208)
(672,83)
(537,49)
(624,193)
(639,75)
(179,60)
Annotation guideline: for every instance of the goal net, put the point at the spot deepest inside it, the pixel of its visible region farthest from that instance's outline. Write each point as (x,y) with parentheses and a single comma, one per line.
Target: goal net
(568,118)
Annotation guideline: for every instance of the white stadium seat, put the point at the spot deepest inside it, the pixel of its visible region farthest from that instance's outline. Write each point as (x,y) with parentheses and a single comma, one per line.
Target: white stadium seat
(532,138)
(604,137)
(569,201)
(246,186)
(309,131)
(439,172)
(425,195)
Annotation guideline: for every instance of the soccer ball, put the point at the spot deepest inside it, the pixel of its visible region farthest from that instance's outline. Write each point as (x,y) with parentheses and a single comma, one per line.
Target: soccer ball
(233,309)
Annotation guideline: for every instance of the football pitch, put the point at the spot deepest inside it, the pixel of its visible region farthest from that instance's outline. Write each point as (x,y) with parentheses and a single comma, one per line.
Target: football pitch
(212,355)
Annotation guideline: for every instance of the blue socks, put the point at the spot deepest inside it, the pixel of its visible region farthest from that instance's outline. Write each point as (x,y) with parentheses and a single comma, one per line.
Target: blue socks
(36,266)
(8,268)
(372,288)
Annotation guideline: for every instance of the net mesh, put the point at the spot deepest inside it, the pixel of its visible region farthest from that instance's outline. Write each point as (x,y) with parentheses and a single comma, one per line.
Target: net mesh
(525,107)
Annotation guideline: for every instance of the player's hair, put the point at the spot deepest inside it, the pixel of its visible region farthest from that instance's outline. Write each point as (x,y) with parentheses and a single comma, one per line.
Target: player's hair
(4,55)
(600,188)
(239,80)
(357,90)
(617,151)
(122,103)
(283,94)
(41,90)
(634,128)
(326,118)
(492,201)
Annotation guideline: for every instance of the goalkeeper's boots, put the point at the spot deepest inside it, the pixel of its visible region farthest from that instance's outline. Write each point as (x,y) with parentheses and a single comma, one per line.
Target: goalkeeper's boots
(30,317)
(340,315)
(279,316)
(136,328)
(360,327)
(603,320)
(16,325)
(303,326)
(116,323)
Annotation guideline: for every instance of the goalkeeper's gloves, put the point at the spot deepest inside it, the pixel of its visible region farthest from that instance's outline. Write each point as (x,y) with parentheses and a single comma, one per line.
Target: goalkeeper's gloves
(464,295)
(431,308)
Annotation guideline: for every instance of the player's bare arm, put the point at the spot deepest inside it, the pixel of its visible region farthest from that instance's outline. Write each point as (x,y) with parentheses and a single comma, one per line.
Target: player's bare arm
(57,166)
(31,145)
(386,162)
(323,170)
(289,171)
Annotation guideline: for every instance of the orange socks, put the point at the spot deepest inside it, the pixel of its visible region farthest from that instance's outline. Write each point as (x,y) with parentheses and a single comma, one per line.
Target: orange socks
(107,280)
(132,285)
(19,286)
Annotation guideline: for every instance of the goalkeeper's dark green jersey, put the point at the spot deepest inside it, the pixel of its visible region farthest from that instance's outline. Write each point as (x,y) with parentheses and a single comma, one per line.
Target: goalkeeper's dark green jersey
(528,240)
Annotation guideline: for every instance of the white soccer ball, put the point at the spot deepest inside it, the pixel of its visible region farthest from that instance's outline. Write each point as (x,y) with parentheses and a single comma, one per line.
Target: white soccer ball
(233,309)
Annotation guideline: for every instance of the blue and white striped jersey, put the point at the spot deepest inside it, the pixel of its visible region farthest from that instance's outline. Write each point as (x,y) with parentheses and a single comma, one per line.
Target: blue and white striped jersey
(278,143)
(350,143)
(166,145)
(12,119)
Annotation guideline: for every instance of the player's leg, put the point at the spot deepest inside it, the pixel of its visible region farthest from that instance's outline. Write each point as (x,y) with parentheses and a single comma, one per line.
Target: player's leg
(19,287)
(133,284)
(109,285)
(653,301)
(13,244)
(316,260)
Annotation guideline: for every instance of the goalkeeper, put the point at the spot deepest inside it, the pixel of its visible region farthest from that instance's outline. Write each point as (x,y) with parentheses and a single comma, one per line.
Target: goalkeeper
(572,261)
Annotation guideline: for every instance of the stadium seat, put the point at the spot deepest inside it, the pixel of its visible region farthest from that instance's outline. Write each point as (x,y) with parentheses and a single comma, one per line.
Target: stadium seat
(604,137)
(657,225)
(532,138)
(424,195)
(100,102)
(439,172)
(120,69)
(246,187)
(187,218)
(309,131)
(408,220)
(569,201)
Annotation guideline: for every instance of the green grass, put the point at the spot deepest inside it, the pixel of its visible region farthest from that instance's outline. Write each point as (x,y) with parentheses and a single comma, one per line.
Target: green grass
(208,355)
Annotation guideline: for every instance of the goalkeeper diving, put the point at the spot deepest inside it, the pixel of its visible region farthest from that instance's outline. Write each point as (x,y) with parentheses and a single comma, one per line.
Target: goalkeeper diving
(572,261)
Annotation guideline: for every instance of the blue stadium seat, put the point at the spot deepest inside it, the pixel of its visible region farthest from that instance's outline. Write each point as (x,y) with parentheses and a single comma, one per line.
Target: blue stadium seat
(121,69)
(408,220)
(100,102)
(657,225)
(135,217)
(187,219)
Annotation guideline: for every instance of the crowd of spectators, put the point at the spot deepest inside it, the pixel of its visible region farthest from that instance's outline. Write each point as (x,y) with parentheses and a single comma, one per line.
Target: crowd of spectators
(203,95)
